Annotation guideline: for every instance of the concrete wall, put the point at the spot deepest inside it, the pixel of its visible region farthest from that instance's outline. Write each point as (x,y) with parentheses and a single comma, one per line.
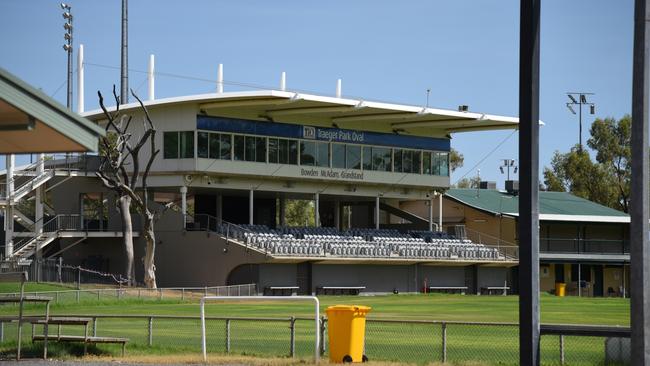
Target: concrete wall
(441,276)
(277,275)
(376,278)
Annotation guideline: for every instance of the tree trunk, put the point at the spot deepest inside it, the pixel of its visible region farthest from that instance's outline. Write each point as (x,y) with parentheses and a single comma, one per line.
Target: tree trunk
(150,251)
(127,237)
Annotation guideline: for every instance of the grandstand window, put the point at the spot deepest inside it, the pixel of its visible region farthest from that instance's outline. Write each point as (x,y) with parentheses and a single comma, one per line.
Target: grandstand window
(307,153)
(407,161)
(170,145)
(293,151)
(416,166)
(249,154)
(260,149)
(187,144)
(443,161)
(214,146)
(367,158)
(202,141)
(397,160)
(426,162)
(274,150)
(239,147)
(323,154)
(353,157)
(338,156)
(224,146)
(381,159)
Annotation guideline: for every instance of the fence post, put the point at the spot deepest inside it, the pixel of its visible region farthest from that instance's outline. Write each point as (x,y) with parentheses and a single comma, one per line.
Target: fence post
(138,293)
(60,264)
(77,296)
(117,292)
(444,342)
(183,294)
(56,297)
(205,291)
(98,294)
(2,332)
(78,278)
(150,330)
(161,293)
(561,349)
(292,345)
(238,290)
(95,327)
(227,335)
(323,323)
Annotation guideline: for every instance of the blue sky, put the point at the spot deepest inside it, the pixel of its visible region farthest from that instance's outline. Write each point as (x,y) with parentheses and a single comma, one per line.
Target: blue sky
(466,52)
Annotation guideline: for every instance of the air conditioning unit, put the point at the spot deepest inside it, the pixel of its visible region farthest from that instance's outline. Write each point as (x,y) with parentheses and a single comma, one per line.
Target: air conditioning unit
(512,186)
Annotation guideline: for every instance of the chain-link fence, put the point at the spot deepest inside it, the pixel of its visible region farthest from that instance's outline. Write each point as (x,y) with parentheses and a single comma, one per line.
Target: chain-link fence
(386,340)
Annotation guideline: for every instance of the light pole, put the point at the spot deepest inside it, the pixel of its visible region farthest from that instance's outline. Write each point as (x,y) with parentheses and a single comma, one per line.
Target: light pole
(580,99)
(509,163)
(67,47)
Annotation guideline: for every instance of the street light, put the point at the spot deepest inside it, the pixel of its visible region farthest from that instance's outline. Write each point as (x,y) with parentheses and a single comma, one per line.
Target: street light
(580,101)
(67,47)
(509,163)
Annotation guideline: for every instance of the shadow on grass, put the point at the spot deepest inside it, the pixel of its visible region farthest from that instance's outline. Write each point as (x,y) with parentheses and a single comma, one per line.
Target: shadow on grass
(54,350)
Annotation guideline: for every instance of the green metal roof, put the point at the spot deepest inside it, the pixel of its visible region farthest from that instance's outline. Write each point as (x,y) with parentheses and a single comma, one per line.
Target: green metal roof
(45,109)
(552,205)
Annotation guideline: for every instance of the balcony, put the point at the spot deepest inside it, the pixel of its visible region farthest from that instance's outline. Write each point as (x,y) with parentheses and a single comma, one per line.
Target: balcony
(584,246)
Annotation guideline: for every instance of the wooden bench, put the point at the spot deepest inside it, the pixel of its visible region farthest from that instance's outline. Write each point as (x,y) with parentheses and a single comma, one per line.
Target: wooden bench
(21,299)
(281,290)
(449,289)
(339,290)
(495,290)
(86,340)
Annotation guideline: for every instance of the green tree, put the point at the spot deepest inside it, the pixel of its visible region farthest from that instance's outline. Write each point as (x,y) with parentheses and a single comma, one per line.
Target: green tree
(473,182)
(456,160)
(299,213)
(606,180)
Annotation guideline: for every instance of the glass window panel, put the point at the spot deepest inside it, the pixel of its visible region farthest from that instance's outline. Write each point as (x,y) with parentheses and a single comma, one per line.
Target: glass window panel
(239,147)
(203,148)
(187,144)
(307,153)
(381,159)
(274,150)
(444,164)
(283,152)
(293,152)
(260,149)
(214,146)
(417,156)
(249,155)
(407,161)
(435,163)
(323,154)
(398,160)
(353,157)
(170,145)
(426,162)
(224,146)
(338,156)
(367,158)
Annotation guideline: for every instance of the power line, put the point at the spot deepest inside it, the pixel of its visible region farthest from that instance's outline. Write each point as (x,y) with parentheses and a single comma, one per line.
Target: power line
(487,156)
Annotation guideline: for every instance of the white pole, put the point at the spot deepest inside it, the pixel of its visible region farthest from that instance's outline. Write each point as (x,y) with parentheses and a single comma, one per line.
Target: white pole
(80,79)
(9,208)
(220,79)
(338,88)
(377,212)
(151,78)
(430,214)
(184,204)
(283,81)
(439,211)
(203,348)
(316,209)
(251,206)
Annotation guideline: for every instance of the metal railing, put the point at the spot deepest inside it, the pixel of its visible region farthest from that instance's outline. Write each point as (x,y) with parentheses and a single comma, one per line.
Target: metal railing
(407,341)
(584,246)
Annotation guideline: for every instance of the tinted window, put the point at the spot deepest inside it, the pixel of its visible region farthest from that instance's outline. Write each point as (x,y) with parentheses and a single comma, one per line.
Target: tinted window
(381,159)
(170,145)
(323,158)
(260,149)
(367,158)
(398,160)
(224,146)
(426,162)
(338,156)
(293,152)
(214,146)
(444,164)
(187,144)
(307,153)
(203,146)
(353,157)
(239,147)
(249,155)
(417,156)
(274,149)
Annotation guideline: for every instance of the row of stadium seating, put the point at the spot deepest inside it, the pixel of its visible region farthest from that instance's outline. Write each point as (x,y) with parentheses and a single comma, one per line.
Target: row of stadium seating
(366,243)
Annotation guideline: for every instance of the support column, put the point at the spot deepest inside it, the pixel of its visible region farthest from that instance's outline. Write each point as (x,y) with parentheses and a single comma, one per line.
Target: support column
(283,208)
(439,211)
(639,190)
(316,209)
(219,208)
(528,224)
(9,211)
(430,215)
(184,204)
(377,212)
(250,207)
(337,214)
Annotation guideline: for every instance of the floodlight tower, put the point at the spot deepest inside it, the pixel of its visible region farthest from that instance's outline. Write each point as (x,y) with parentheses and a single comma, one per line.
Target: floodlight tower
(509,163)
(67,47)
(580,99)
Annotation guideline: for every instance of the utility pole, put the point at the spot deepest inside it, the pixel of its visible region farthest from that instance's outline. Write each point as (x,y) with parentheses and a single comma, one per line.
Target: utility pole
(124,70)
(580,99)
(67,47)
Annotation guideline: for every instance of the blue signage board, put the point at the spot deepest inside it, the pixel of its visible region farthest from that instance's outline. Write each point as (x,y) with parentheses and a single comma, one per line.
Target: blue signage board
(286,130)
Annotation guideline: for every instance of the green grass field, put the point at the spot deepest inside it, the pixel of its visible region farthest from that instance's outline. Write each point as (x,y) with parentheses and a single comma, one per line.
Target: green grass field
(385,340)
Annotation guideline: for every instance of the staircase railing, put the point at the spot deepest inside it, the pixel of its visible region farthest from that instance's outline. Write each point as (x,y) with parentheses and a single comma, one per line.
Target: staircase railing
(206,222)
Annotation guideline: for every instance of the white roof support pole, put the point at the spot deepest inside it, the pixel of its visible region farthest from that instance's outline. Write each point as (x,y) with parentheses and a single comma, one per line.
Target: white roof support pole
(338,88)
(151,79)
(377,212)
(439,211)
(316,209)
(184,204)
(80,79)
(9,208)
(220,79)
(430,214)
(283,81)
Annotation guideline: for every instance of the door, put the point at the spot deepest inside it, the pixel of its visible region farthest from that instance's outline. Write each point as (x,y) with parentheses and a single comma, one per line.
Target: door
(598,281)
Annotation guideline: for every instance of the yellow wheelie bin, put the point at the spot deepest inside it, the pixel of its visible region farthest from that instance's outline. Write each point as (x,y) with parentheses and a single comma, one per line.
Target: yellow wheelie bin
(346,329)
(560,289)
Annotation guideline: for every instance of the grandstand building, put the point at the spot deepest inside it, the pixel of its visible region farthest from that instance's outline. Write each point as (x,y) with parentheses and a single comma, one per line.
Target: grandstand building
(229,163)
(582,244)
